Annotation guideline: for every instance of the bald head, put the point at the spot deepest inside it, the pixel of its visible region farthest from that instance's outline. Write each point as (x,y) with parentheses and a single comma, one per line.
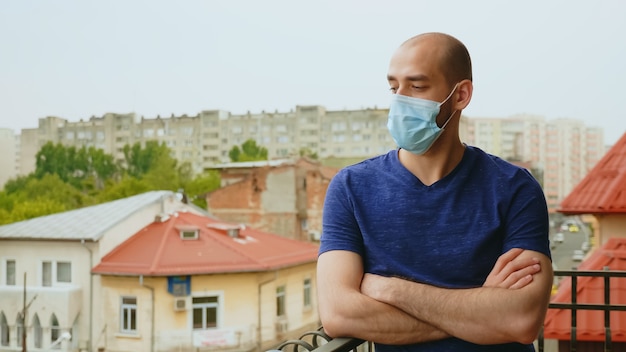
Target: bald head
(452,55)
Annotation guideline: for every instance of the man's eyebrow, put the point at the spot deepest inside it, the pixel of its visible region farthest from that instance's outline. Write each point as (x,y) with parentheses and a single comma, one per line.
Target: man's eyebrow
(414,78)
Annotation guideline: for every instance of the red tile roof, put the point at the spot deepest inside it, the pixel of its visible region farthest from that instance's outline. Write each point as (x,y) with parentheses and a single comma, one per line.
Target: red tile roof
(590,324)
(603,190)
(159,250)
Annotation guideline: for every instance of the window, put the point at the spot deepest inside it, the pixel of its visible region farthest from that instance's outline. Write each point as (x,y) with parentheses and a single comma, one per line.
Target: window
(64,272)
(53,272)
(205,312)
(280,301)
(128,315)
(46,271)
(4,331)
(10,272)
(188,232)
(55,331)
(38,332)
(307,293)
(19,324)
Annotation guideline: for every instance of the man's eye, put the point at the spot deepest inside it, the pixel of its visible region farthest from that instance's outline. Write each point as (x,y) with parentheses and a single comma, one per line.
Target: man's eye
(393,89)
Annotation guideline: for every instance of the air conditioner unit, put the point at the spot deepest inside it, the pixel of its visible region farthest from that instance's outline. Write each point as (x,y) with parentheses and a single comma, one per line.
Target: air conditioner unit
(282,326)
(180,303)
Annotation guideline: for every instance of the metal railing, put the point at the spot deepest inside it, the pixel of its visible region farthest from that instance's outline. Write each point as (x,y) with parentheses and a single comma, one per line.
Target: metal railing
(574,306)
(318,341)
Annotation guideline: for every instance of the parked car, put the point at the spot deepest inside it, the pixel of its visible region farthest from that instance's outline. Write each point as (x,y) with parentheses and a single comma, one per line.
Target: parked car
(578,255)
(558,237)
(585,246)
(570,226)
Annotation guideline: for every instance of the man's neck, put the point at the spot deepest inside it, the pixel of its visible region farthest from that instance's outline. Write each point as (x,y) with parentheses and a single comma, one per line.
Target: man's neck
(435,164)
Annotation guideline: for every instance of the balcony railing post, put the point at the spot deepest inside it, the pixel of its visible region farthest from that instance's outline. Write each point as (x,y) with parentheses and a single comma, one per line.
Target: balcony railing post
(607,313)
(574,311)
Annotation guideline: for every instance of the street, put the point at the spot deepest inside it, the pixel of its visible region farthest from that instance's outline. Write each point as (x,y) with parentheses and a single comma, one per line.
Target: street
(562,252)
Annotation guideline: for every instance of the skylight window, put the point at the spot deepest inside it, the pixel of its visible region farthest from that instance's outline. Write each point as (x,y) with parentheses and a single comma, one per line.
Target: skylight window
(188,232)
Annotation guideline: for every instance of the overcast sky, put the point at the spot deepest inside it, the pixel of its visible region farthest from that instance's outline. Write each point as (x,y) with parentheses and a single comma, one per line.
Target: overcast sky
(75,59)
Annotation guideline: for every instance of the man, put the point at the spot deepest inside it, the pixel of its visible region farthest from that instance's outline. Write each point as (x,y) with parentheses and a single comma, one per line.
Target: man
(436,246)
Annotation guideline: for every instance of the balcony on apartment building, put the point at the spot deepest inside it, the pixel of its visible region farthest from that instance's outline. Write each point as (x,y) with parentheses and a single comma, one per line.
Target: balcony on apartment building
(587,314)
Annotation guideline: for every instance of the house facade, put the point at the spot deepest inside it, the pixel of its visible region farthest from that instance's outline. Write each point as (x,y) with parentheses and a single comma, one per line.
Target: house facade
(191,282)
(284,196)
(47,292)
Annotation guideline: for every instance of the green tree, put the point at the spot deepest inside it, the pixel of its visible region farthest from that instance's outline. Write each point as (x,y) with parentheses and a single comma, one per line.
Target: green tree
(307,152)
(75,165)
(126,187)
(140,160)
(32,209)
(249,151)
(197,188)
(37,197)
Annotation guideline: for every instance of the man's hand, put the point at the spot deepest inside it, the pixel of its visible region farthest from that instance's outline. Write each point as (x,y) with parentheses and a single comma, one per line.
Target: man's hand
(512,271)
(509,307)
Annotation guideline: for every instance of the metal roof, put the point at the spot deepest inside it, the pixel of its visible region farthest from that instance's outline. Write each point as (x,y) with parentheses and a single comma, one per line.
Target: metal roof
(87,223)
(603,190)
(252,164)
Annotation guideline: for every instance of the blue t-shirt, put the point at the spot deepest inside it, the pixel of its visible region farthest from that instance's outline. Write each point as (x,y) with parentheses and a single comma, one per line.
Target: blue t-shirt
(448,234)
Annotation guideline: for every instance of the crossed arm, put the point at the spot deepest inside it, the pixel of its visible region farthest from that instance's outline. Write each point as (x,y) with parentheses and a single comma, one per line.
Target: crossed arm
(509,307)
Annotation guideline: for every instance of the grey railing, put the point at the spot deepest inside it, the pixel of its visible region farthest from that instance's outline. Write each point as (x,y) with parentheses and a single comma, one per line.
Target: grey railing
(574,307)
(318,341)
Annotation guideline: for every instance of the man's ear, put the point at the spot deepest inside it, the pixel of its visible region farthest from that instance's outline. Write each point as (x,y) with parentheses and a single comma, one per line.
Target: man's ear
(464,94)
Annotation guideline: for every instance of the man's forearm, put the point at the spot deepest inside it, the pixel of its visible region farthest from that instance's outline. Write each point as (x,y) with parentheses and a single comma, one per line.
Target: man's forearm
(485,315)
(359,316)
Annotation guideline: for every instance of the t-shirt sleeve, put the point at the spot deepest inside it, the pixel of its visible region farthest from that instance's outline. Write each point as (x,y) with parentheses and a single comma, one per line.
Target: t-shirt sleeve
(340,230)
(527,223)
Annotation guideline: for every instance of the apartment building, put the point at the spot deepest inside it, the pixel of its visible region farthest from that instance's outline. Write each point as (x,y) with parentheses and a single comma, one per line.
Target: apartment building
(205,139)
(562,149)
(8,145)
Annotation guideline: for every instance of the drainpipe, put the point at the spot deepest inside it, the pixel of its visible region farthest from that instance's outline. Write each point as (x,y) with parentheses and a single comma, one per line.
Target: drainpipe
(152,318)
(259,341)
(90,347)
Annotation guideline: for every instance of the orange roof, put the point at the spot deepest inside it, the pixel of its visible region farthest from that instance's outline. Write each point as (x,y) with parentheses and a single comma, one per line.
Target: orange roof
(590,323)
(603,190)
(159,250)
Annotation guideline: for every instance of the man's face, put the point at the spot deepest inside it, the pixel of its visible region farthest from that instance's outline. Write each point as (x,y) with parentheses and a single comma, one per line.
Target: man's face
(415,71)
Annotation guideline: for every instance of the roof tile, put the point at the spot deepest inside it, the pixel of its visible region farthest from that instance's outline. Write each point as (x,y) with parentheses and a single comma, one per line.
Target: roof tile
(158,250)
(603,190)
(590,324)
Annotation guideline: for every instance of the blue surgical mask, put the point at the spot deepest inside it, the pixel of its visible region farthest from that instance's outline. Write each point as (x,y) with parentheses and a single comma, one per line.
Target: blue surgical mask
(412,122)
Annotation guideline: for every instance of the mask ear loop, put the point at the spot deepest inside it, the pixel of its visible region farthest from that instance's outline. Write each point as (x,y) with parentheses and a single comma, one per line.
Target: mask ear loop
(444,101)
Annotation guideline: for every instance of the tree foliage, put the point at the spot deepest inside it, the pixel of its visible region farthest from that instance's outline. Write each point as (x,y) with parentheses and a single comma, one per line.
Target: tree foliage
(67,178)
(249,151)
(139,160)
(74,165)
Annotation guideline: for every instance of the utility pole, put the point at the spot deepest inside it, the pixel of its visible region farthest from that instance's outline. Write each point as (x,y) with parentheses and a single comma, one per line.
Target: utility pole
(24,314)
(24,318)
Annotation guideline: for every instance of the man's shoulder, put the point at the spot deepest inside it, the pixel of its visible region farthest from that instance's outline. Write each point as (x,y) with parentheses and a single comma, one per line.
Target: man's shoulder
(369,164)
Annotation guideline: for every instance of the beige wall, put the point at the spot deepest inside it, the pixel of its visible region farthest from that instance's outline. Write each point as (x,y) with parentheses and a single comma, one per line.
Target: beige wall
(239,312)
(68,302)
(613,225)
